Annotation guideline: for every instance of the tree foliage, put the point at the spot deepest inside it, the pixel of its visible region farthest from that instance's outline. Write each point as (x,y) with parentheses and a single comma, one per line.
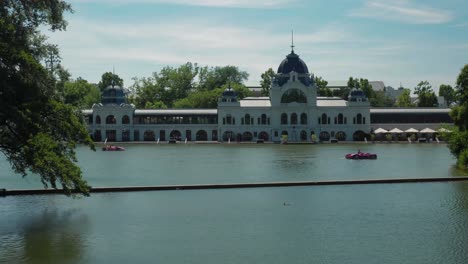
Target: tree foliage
(458,139)
(171,87)
(81,94)
(109,79)
(404,99)
(448,93)
(426,96)
(267,79)
(322,89)
(38,131)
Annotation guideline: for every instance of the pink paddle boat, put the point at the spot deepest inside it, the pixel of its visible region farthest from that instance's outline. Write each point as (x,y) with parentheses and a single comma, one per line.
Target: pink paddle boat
(361,155)
(112,148)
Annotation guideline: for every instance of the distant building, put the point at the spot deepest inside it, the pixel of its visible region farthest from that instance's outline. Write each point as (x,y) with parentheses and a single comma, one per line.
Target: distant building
(293,112)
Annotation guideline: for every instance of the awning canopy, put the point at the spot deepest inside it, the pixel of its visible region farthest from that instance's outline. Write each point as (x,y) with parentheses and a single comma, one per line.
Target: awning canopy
(411,130)
(380,131)
(396,130)
(427,130)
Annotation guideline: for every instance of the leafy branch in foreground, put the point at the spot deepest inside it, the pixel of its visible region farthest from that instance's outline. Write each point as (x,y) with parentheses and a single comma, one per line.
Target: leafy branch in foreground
(38,131)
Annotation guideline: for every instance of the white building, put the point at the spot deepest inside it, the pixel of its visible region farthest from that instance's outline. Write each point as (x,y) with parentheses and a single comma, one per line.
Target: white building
(292,112)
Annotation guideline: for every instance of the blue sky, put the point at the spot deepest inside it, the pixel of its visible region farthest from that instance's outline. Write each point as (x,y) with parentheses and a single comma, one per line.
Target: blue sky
(393,41)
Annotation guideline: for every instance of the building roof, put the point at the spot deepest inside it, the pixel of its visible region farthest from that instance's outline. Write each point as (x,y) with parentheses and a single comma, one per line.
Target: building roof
(337,84)
(330,102)
(292,63)
(176,111)
(414,110)
(377,85)
(255,102)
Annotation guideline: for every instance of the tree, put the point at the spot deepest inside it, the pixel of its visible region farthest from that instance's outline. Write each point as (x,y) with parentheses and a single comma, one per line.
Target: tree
(81,94)
(109,79)
(366,87)
(200,99)
(458,139)
(379,99)
(322,87)
(426,97)
(38,131)
(216,77)
(171,85)
(404,99)
(267,79)
(448,93)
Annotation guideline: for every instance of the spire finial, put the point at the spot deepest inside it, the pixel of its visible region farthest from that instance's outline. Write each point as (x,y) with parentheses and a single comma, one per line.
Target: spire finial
(113,74)
(292,41)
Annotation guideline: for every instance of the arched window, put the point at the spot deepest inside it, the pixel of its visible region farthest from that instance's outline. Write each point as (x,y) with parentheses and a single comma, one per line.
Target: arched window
(293,95)
(98,120)
(264,119)
(293,119)
(110,119)
(247,119)
(359,118)
(284,119)
(340,119)
(125,119)
(303,119)
(324,119)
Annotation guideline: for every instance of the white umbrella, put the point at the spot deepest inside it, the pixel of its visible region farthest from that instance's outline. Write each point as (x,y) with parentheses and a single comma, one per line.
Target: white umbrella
(443,130)
(411,130)
(380,130)
(427,130)
(396,130)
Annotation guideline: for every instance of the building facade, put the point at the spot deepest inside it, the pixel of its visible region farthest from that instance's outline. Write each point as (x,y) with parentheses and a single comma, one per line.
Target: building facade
(292,113)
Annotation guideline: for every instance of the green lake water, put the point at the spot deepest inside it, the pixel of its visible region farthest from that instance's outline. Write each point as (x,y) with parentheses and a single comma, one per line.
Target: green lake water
(383,223)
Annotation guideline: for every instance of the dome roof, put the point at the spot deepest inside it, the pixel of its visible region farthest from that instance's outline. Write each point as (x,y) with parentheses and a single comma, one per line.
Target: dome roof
(292,63)
(229,92)
(113,95)
(357,93)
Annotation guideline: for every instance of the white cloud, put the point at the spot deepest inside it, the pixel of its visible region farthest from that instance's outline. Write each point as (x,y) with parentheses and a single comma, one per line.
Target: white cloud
(402,11)
(208,3)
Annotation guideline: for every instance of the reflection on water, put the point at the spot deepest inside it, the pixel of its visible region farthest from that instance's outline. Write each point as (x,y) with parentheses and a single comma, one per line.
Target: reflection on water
(43,235)
(392,223)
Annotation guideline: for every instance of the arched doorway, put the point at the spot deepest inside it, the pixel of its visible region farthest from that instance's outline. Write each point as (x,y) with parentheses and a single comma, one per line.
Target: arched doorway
(228,135)
(359,135)
(175,134)
(263,135)
(324,136)
(148,135)
(202,135)
(340,135)
(247,136)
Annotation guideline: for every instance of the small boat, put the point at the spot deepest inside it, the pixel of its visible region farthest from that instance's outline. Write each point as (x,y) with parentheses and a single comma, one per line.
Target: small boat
(361,155)
(112,148)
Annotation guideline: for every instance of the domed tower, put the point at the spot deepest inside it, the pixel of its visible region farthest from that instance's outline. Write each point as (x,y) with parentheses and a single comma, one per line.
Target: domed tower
(113,95)
(357,97)
(228,98)
(293,63)
(293,83)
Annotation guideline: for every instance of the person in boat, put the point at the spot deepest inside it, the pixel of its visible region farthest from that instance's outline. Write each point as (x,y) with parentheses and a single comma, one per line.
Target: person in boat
(359,151)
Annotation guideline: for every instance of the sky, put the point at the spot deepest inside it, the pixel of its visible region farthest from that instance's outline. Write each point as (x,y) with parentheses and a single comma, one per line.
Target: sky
(399,41)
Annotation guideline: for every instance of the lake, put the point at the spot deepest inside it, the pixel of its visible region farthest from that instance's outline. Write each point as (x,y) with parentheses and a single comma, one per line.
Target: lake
(383,223)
